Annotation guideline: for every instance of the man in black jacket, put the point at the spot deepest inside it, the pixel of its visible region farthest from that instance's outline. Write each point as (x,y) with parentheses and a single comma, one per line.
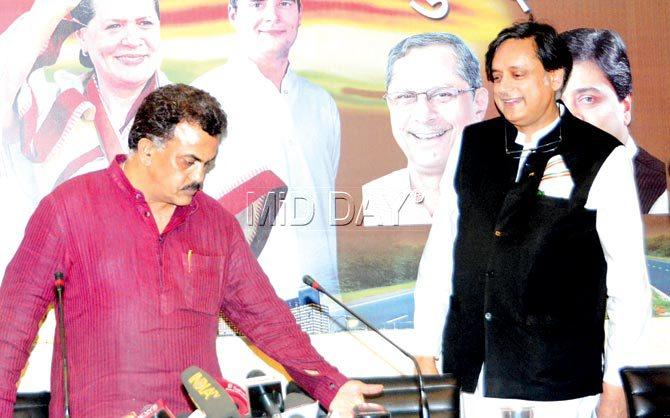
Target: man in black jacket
(549,239)
(599,91)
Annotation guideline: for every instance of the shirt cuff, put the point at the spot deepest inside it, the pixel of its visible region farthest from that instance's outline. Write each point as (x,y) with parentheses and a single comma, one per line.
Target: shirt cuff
(327,388)
(612,376)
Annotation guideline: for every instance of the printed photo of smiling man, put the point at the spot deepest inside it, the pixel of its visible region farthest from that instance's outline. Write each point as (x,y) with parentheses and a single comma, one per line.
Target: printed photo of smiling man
(433,91)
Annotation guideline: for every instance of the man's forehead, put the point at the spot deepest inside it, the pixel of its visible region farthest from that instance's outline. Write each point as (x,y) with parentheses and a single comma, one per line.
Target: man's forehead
(516,53)
(188,133)
(442,54)
(587,74)
(434,65)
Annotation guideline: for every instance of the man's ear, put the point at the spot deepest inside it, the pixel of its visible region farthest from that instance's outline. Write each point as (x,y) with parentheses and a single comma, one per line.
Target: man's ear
(556,80)
(145,150)
(627,104)
(481,103)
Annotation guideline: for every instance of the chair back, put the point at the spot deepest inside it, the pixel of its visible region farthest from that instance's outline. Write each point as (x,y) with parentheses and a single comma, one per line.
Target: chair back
(401,395)
(32,405)
(647,391)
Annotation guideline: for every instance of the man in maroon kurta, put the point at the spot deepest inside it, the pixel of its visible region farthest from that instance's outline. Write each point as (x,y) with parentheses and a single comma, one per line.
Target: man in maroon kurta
(149,261)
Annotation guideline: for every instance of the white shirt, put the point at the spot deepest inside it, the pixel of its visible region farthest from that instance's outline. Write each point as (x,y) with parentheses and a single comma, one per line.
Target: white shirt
(619,226)
(293,131)
(389,201)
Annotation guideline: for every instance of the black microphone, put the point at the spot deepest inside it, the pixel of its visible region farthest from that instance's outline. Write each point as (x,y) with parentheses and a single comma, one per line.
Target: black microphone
(60,285)
(207,394)
(423,398)
(267,400)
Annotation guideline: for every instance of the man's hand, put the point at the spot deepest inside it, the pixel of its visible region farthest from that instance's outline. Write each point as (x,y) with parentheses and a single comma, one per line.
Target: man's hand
(427,365)
(612,402)
(350,395)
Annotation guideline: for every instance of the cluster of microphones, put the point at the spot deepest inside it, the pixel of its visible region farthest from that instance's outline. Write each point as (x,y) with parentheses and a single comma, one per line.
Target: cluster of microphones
(218,398)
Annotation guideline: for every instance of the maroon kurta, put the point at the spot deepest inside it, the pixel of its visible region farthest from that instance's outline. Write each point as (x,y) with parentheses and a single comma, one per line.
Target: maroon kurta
(138,308)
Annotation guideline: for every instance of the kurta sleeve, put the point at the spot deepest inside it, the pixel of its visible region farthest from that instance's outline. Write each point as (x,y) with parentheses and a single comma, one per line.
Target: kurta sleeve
(252,305)
(26,292)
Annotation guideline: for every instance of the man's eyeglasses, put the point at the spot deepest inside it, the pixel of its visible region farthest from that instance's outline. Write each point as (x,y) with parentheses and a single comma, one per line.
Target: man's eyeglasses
(542,149)
(436,96)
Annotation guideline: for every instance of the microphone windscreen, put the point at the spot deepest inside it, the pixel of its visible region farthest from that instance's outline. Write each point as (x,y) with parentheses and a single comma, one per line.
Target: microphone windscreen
(157,409)
(308,280)
(207,394)
(237,394)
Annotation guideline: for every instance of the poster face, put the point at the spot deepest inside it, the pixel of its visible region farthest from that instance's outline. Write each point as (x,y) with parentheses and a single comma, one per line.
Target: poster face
(339,141)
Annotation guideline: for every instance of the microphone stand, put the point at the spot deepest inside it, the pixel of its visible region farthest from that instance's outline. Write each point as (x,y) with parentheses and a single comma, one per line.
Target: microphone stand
(424,412)
(60,284)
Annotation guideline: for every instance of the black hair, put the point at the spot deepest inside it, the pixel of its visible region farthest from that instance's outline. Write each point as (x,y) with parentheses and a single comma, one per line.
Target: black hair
(551,49)
(606,49)
(167,106)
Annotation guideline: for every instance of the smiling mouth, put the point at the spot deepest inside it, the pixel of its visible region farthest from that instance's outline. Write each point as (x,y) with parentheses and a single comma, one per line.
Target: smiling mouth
(427,136)
(131,59)
(273,32)
(513,101)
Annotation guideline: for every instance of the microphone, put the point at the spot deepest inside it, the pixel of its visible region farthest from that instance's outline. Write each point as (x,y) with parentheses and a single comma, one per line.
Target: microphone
(157,409)
(207,394)
(424,412)
(59,283)
(270,402)
(238,395)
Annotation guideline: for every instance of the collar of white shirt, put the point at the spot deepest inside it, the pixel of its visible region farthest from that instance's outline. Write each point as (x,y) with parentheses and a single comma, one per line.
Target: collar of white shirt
(536,136)
(631,147)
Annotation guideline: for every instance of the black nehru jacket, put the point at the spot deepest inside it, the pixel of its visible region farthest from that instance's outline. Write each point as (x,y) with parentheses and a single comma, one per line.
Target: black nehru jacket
(649,178)
(529,288)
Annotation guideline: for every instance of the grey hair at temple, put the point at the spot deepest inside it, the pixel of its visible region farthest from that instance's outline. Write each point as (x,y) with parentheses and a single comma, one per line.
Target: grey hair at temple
(468,64)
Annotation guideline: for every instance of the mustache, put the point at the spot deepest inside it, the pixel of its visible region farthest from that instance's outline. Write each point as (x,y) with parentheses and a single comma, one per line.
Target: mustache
(196,186)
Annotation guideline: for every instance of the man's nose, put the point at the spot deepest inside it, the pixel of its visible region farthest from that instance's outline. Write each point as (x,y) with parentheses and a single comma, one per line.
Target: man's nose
(199,173)
(270,12)
(504,85)
(424,109)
